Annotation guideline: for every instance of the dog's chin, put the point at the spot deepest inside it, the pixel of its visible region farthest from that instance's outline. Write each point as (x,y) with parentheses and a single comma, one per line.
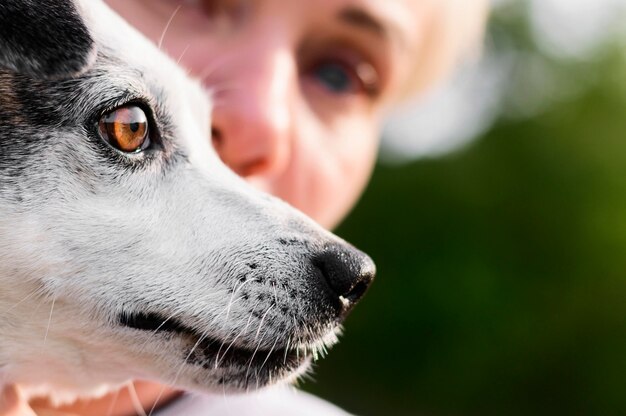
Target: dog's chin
(210,364)
(239,368)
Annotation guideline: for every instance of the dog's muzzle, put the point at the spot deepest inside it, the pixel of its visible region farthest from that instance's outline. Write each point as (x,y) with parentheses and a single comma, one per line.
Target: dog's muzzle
(304,319)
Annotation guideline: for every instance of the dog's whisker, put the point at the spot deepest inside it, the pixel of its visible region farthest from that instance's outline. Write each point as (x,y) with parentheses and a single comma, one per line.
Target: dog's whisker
(217,360)
(116,396)
(208,70)
(269,354)
(230,302)
(180,370)
(182,366)
(261,322)
(232,296)
(215,90)
(296,340)
(180,57)
(257,340)
(30,295)
(216,319)
(36,309)
(153,333)
(286,350)
(232,331)
(275,292)
(45,338)
(256,349)
(167,26)
(134,398)
(220,349)
(227,308)
(154,405)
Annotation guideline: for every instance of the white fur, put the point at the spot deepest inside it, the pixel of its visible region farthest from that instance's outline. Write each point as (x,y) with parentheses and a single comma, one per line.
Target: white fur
(75,255)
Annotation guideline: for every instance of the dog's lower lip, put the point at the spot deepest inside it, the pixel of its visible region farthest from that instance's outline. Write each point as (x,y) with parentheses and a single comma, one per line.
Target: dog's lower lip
(149,321)
(210,352)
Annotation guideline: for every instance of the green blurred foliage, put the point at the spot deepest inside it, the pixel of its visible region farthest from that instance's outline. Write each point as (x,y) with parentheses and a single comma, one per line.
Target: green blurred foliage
(502,271)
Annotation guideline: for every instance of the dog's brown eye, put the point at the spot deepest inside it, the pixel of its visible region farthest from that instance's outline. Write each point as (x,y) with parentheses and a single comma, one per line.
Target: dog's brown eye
(125,128)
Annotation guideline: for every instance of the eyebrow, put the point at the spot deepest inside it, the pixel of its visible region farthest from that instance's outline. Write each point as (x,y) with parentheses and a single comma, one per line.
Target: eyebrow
(362,19)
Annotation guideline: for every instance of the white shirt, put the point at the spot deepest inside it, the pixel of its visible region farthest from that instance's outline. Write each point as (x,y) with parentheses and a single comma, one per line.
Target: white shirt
(273,401)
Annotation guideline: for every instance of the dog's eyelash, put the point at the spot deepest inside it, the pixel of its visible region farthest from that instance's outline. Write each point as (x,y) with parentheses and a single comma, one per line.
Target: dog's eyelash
(126,101)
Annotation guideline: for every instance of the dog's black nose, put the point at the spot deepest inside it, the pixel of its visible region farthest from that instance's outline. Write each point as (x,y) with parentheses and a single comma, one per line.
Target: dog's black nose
(348,273)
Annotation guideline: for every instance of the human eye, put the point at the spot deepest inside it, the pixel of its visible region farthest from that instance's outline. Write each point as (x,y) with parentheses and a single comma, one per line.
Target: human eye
(344,72)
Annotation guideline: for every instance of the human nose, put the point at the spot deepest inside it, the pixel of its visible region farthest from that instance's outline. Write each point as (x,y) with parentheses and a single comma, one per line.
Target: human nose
(252,127)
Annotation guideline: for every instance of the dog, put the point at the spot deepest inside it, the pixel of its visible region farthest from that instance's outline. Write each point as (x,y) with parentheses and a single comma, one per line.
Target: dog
(128,250)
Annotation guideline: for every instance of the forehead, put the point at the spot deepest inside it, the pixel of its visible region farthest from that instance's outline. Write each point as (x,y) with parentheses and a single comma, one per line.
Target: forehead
(398,20)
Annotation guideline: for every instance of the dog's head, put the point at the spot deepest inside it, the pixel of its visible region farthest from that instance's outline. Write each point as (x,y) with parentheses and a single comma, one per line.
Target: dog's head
(127,249)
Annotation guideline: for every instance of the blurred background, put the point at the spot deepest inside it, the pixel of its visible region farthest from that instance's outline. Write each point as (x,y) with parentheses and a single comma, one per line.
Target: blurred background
(497,218)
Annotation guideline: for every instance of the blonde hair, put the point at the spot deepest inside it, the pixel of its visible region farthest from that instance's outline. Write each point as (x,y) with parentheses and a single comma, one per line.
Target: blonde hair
(454,32)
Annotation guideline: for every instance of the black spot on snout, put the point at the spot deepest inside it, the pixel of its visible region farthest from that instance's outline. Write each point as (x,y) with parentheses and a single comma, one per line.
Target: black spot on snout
(288,242)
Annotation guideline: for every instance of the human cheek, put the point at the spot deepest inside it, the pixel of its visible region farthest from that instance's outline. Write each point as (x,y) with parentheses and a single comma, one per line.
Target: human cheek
(355,162)
(337,171)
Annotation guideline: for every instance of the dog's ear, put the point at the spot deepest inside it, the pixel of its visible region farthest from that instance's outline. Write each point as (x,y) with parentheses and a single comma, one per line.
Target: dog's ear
(44,38)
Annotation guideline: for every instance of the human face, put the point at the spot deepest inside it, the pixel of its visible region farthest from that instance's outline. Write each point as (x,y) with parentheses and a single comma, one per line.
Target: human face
(299,86)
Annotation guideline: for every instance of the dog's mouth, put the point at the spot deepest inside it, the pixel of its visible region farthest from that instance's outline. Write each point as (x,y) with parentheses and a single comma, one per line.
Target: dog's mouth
(238,365)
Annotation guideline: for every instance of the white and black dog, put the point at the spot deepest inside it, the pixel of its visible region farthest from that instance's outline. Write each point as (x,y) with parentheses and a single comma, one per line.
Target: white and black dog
(127,249)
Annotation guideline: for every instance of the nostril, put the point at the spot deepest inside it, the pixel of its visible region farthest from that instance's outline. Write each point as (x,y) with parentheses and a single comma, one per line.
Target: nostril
(357,292)
(216,138)
(348,272)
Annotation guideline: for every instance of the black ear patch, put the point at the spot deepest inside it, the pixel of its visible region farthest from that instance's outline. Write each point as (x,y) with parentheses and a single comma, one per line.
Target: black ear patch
(45,38)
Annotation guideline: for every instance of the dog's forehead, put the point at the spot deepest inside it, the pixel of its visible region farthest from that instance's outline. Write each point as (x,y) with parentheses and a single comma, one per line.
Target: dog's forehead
(128,66)
(166,80)
(126,53)
(115,38)
(112,33)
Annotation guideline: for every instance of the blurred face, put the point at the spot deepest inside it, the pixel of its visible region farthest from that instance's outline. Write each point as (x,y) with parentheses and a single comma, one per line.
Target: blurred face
(299,86)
